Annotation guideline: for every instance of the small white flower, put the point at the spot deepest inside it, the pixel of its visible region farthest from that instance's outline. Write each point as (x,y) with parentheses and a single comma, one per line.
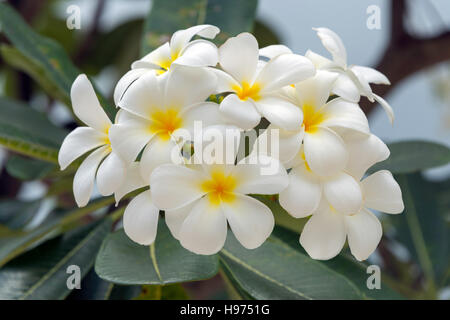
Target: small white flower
(180,50)
(325,232)
(111,171)
(254,84)
(199,201)
(323,125)
(156,107)
(353,80)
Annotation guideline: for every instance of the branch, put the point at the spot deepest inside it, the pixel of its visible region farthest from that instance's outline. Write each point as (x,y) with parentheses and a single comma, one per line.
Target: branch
(406,55)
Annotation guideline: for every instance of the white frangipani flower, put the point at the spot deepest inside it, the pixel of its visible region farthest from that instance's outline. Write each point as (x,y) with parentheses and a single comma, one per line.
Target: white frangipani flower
(323,125)
(325,232)
(353,80)
(254,84)
(306,190)
(156,108)
(111,171)
(199,201)
(180,50)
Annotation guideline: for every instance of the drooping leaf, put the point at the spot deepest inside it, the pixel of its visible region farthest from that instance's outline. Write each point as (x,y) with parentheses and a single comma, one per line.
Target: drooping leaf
(42,272)
(277,271)
(27,131)
(123,261)
(28,169)
(422,228)
(41,57)
(414,156)
(354,271)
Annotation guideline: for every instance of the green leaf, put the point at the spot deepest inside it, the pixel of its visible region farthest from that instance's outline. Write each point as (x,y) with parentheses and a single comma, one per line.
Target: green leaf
(265,35)
(27,131)
(95,288)
(282,217)
(123,261)
(28,169)
(413,156)
(167,292)
(231,16)
(347,266)
(12,245)
(44,59)
(166,17)
(15,214)
(41,273)
(422,228)
(277,271)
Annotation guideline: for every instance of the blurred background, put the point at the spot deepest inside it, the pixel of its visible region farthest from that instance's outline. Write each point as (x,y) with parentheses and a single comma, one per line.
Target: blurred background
(411,46)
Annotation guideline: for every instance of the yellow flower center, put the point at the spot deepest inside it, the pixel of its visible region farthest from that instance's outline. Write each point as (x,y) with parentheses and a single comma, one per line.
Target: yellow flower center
(312,117)
(106,140)
(167,62)
(245,91)
(219,188)
(165,122)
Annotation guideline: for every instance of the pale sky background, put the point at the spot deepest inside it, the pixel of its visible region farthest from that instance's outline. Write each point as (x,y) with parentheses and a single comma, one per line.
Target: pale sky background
(420,114)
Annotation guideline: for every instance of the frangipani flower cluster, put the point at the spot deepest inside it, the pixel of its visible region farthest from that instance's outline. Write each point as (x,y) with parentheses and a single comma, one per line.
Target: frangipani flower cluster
(318,145)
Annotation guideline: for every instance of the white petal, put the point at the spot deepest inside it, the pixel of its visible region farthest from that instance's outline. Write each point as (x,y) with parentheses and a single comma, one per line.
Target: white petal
(133,181)
(182,37)
(239,57)
(344,114)
(144,96)
(325,152)
(387,108)
(371,75)
(217,144)
(284,70)
(320,62)
(225,82)
(160,56)
(83,182)
(159,151)
(199,53)
(206,113)
(205,229)
(140,220)
(278,143)
(241,113)
(315,91)
(333,43)
(128,139)
(260,174)
(77,143)
(361,82)
(250,220)
(174,186)
(343,193)
(274,50)
(280,112)
(188,85)
(86,105)
(382,192)
(324,234)
(364,152)
(346,88)
(175,218)
(124,82)
(364,233)
(302,196)
(110,174)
